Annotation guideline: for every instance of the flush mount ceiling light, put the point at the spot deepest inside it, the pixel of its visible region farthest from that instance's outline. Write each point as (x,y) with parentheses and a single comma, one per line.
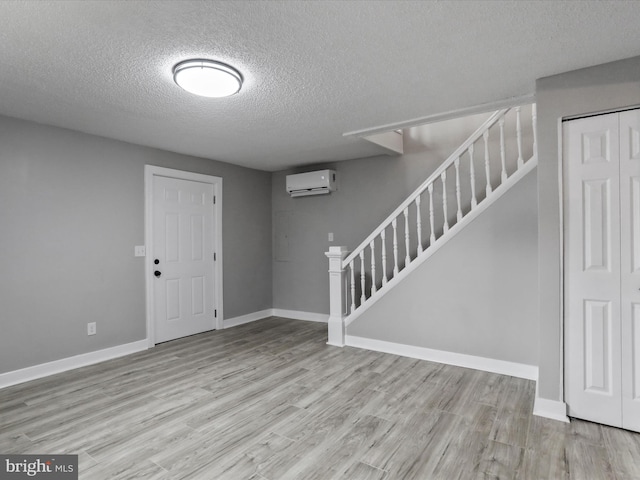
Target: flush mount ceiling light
(207,78)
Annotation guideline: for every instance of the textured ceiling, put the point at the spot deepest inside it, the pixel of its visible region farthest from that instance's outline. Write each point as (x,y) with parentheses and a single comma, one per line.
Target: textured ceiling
(313,69)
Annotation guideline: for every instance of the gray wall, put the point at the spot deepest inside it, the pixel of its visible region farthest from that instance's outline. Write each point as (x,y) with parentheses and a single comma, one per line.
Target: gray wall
(476,295)
(72,209)
(368,191)
(595,89)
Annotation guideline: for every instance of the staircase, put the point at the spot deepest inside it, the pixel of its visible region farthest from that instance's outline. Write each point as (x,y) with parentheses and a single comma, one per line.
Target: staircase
(474,176)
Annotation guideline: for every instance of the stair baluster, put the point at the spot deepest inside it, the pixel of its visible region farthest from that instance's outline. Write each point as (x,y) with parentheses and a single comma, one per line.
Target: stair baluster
(432,236)
(394,224)
(353,287)
(472,175)
(363,278)
(419,224)
(456,163)
(373,267)
(443,178)
(384,257)
(487,168)
(407,258)
(519,137)
(503,160)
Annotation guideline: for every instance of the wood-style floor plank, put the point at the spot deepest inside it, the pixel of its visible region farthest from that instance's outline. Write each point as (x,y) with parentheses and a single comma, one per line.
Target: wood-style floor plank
(362,471)
(270,400)
(624,452)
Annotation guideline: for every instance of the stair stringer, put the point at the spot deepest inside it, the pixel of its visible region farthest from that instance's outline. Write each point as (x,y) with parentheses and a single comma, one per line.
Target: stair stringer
(443,239)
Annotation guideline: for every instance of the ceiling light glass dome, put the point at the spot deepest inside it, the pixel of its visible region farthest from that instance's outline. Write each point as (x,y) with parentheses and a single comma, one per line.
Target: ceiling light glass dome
(207,78)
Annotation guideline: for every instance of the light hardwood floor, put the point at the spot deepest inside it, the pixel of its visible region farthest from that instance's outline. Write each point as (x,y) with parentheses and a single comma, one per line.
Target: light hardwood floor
(270,400)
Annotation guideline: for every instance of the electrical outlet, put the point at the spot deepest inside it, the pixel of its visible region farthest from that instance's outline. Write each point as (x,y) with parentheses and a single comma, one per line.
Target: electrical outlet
(139,251)
(91,328)
(330,236)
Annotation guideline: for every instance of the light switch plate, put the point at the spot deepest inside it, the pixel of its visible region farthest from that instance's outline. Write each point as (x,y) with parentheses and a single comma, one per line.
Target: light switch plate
(139,251)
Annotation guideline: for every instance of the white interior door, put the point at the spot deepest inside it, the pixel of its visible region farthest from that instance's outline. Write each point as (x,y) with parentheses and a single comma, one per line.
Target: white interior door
(592,296)
(183,257)
(602,274)
(630,261)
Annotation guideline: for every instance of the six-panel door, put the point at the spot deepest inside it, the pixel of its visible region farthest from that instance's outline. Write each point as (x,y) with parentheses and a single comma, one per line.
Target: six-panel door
(602,275)
(183,247)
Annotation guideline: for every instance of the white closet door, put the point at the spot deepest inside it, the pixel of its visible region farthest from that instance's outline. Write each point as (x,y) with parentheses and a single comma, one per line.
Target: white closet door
(630,263)
(592,275)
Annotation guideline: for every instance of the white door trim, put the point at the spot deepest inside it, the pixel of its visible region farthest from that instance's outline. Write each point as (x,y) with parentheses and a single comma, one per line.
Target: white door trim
(149,172)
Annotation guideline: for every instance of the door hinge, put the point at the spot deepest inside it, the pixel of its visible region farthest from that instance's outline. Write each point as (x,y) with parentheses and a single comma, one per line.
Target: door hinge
(214,199)
(214,256)
(215,313)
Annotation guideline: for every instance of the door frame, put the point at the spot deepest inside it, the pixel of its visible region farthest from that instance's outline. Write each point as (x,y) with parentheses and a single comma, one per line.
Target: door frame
(151,171)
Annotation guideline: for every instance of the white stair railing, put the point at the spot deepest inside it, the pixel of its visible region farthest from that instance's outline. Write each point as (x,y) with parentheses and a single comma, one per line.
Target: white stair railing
(498,145)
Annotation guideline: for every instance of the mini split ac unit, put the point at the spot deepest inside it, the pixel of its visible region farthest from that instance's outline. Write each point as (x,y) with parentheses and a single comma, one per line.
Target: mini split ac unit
(311,183)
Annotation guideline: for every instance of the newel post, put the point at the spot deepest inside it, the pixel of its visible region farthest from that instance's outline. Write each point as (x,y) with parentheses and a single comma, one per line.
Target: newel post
(336,295)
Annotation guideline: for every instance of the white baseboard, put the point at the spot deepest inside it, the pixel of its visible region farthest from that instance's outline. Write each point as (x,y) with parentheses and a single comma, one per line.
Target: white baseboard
(553,409)
(520,370)
(298,315)
(45,369)
(276,312)
(249,317)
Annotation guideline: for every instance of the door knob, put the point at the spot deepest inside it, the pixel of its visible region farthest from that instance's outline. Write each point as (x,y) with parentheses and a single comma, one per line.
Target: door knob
(156,261)
(157,273)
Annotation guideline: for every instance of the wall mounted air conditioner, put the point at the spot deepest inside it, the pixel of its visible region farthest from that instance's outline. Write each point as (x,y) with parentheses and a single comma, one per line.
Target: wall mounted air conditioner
(311,183)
